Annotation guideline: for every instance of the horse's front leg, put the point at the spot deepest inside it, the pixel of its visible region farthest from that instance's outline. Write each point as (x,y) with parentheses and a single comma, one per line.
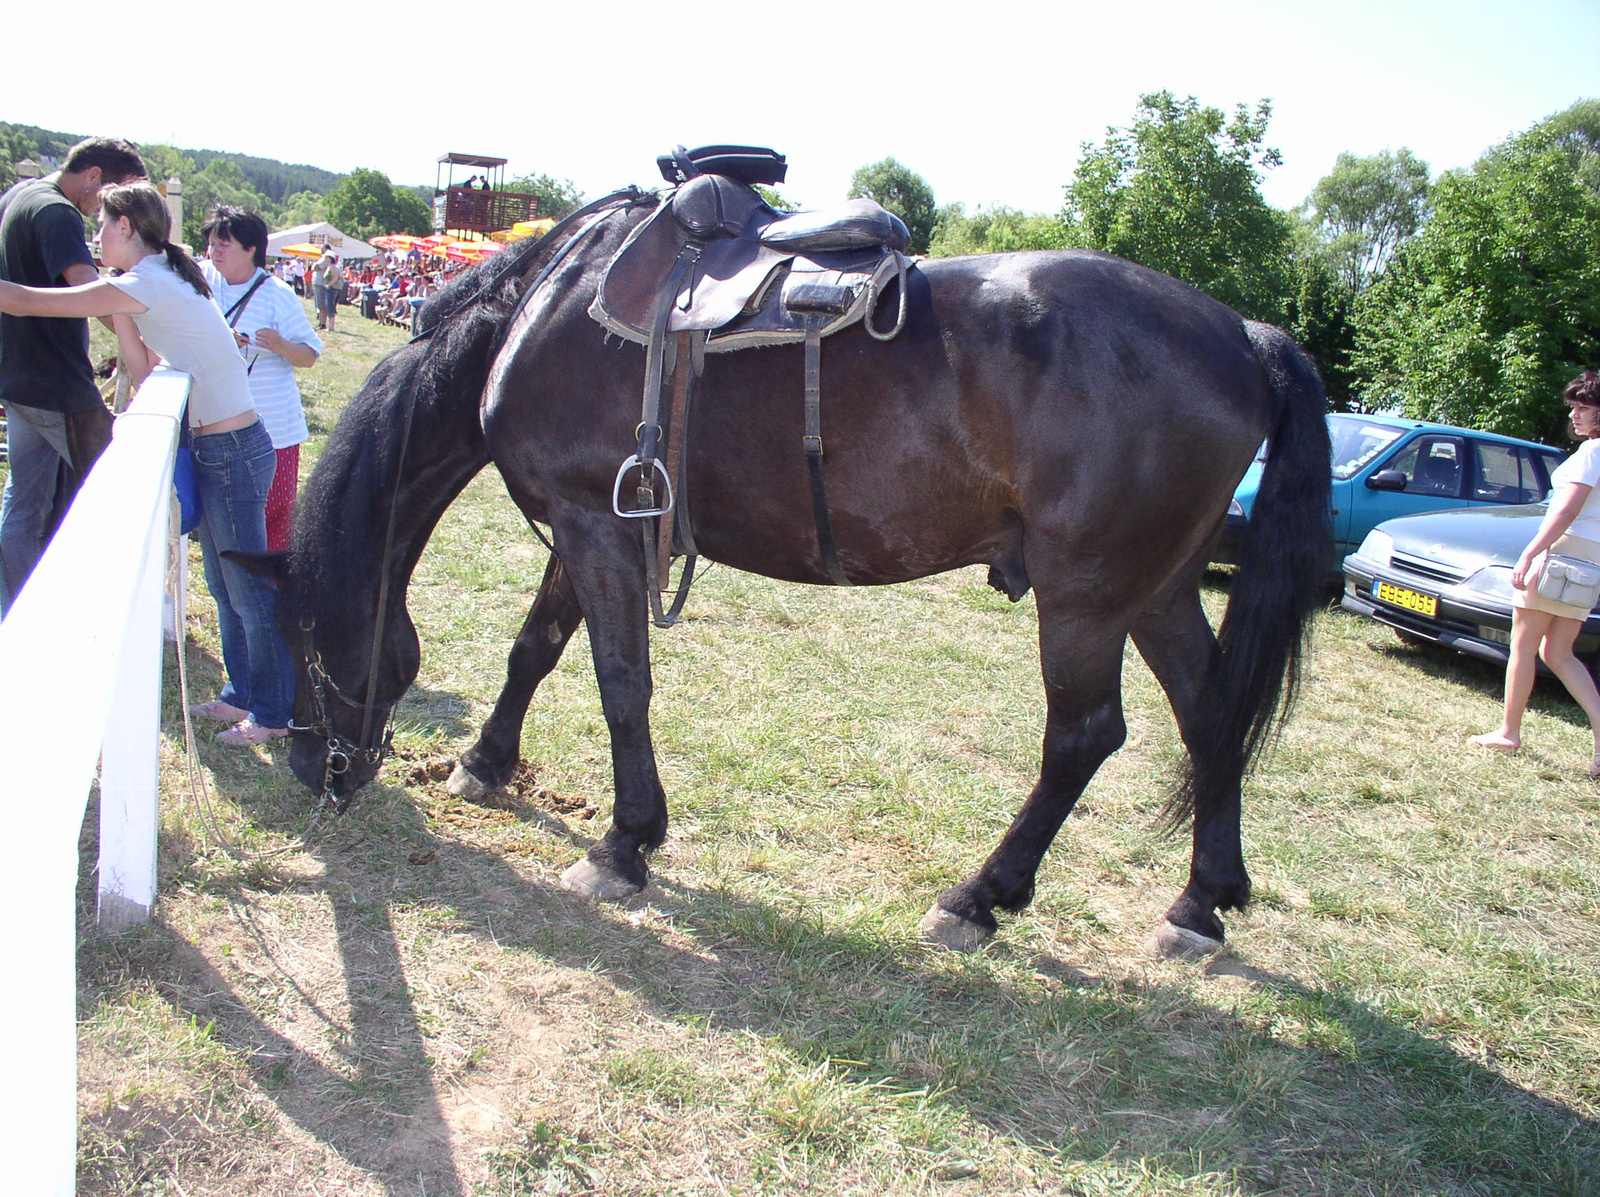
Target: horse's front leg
(552,619)
(604,560)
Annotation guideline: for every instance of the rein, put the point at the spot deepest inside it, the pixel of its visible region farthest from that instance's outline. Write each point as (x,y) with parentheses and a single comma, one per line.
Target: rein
(342,753)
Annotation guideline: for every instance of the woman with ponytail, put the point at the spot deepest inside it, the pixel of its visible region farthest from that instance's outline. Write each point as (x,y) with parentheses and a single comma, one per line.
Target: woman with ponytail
(161,305)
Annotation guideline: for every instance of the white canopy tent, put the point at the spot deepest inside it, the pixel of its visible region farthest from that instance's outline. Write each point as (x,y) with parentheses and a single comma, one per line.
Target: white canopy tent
(321,233)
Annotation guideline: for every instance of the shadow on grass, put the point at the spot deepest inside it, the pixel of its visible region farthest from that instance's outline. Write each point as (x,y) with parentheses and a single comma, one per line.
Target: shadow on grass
(1487,678)
(1079,1068)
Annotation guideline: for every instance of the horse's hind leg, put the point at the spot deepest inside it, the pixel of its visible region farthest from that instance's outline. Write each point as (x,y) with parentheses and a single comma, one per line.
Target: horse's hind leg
(1176,641)
(552,619)
(1083,686)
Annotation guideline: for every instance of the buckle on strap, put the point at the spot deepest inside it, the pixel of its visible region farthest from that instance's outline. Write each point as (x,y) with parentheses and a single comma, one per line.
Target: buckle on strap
(655,469)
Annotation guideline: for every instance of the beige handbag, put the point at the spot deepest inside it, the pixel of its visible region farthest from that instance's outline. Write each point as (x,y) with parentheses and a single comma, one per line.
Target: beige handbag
(1569,580)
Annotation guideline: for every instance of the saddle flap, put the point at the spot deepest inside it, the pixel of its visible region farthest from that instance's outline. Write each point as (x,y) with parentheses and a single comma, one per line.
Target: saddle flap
(731,277)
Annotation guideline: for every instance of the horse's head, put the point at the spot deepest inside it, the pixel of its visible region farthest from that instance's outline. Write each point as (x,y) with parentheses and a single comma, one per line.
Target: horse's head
(341,729)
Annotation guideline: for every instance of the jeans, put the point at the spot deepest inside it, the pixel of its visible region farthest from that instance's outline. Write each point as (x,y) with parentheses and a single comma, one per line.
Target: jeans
(49,456)
(233,472)
(36,445)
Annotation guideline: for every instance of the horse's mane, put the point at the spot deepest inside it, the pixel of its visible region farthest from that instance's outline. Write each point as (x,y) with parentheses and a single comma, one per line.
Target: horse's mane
(341,515)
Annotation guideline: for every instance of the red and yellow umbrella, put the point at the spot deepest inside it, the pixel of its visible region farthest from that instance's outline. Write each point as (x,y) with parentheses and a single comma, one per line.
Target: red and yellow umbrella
(472,251)
(436,244)
(300,251)
(400,242)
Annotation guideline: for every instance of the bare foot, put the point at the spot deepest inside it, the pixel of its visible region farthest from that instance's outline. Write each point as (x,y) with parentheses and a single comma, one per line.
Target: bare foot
(1495,741)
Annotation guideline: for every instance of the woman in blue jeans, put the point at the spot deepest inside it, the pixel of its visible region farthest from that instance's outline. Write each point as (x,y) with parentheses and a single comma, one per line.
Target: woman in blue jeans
(161,306)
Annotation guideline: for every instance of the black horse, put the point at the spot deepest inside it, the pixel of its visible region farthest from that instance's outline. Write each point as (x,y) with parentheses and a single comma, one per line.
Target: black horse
(1075,421)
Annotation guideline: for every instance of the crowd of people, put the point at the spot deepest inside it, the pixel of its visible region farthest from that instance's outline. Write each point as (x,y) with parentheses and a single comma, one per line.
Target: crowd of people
(389,286)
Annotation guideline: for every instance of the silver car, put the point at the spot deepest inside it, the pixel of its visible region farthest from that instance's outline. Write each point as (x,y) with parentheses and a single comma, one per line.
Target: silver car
(1445,578)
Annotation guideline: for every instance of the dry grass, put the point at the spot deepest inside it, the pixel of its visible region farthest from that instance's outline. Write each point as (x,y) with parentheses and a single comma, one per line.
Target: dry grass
(414,1007)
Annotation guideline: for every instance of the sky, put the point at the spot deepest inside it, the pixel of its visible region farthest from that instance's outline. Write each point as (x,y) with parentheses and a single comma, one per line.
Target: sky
(988,101)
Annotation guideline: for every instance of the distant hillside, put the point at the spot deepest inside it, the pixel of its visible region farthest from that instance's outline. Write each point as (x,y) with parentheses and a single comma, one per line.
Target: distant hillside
(267,176)
(274,179)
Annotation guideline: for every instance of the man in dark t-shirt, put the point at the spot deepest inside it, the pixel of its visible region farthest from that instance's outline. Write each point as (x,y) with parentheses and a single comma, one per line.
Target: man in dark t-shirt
(56,424)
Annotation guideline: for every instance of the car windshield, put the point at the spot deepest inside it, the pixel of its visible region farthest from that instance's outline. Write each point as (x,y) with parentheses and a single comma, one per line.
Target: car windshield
(1356,442)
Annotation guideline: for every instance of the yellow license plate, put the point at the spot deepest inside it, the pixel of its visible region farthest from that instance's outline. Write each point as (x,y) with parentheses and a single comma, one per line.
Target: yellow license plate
(1422,604)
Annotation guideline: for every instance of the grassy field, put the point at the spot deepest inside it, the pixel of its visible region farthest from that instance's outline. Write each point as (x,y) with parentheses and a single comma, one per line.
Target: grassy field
(413,1007)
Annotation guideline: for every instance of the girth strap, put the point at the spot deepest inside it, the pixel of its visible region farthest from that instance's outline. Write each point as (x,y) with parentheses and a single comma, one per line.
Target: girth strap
(658,556)
(813,446)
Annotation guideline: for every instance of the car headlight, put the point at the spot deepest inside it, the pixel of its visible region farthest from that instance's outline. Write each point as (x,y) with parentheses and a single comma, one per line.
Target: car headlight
(1235,507)
(1492,580)
(1378,546)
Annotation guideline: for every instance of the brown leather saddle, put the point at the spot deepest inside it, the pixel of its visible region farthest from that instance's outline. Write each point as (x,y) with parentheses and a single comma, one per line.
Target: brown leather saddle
(717,269)
(744,263)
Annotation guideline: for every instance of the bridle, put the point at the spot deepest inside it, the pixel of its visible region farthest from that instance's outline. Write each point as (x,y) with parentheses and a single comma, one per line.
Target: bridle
(343,754)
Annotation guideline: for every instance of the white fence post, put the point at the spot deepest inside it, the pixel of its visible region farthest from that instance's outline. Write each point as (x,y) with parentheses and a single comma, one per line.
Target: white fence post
(91,609)
(130,760)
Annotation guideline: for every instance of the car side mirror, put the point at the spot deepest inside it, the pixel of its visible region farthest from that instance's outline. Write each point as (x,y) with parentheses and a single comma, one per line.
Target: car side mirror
(1388,480)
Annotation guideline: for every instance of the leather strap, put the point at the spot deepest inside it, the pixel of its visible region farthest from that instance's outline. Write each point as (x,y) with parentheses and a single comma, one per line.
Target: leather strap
(674,453)
(658,557)
(813,446)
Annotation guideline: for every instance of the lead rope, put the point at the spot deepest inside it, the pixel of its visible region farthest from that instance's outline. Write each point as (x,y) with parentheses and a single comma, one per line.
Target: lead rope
(199,791)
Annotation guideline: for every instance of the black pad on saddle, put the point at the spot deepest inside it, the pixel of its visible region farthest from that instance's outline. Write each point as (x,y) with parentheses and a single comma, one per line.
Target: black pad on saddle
(747,259)
(750,164)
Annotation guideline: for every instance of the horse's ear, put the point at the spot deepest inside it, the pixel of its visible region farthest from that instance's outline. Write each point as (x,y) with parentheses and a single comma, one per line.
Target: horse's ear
(271,566)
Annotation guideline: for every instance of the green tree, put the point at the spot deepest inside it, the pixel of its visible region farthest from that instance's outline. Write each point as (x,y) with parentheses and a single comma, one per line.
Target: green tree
(163,162)
(1318,312)
(776,199)
(1179,191)
(556,197)
(220,183)
(993,230)
(902,191)
(303,207)
(1366,208)
(15,145)
(1575,131)
(1482,317)
(365,205)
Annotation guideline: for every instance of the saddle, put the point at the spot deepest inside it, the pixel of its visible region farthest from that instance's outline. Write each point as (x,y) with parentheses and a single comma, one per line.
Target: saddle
(743,262)
(716,269)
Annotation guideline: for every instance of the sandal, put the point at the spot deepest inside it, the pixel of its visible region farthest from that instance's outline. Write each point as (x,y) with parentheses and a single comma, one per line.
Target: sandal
(248,733)
(218,711)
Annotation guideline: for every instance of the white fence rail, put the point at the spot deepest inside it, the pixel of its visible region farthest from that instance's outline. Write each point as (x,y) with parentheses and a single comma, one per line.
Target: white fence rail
(80,682)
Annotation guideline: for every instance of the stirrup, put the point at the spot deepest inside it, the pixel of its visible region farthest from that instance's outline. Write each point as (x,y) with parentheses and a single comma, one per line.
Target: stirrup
(616,489)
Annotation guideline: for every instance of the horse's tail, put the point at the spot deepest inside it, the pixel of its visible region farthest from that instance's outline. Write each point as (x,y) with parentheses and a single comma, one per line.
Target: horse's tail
(1283,574)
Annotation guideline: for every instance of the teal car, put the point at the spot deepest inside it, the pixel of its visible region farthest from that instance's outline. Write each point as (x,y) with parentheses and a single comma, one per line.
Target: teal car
(1385,466)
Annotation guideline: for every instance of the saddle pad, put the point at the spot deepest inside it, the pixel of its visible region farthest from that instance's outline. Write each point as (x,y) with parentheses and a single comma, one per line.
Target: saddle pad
(771,323)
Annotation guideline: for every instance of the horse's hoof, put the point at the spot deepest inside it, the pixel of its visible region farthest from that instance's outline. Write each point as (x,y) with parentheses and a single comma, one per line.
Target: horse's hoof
(945,930)
(463,785)
(1172,942)
(597,884)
